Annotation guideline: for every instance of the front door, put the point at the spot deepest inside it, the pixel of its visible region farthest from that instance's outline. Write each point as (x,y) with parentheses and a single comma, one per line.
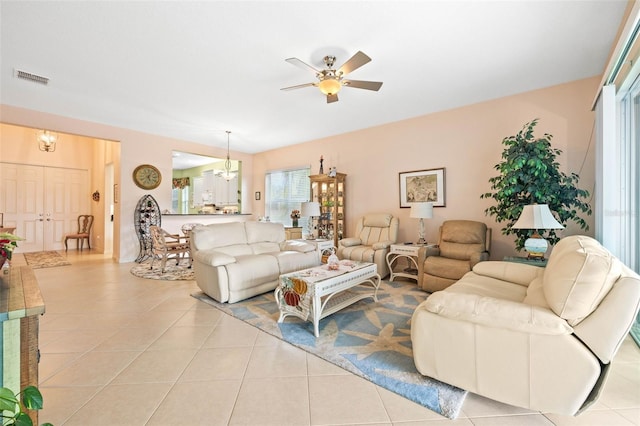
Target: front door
(43,203)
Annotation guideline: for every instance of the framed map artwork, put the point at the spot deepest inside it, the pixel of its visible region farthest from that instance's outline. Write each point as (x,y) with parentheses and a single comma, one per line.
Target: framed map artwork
(422,186)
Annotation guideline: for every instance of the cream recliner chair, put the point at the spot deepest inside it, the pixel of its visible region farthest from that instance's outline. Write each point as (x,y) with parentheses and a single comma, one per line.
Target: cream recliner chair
(373,238)
(537,338)
(461,244)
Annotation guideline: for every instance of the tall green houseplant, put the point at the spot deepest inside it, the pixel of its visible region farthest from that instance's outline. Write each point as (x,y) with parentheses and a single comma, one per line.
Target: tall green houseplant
(530,174)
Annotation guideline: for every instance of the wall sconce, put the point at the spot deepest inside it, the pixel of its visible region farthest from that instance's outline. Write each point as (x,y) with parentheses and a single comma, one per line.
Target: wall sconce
(47,141)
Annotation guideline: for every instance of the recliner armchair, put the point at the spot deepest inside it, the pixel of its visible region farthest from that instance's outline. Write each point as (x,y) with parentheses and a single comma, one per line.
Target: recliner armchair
(537,338)
(461,245)
(374,235)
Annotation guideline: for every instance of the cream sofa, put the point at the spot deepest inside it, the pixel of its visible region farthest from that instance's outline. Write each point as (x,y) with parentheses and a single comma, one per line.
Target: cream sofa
(238,260)
(538,338)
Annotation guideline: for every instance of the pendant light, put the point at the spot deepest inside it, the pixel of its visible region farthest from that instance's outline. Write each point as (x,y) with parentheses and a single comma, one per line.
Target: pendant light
(228,174)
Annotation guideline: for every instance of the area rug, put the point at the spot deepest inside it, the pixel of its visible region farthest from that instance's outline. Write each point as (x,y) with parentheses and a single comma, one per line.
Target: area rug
(371,340)
(45,259)
(172,272)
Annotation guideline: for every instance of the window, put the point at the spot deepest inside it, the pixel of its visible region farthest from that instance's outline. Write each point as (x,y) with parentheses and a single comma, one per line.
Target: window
(628,167)
(180,200)
(286,190)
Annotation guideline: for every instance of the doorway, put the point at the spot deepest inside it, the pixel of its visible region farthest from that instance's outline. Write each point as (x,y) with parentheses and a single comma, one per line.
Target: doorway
(42,203)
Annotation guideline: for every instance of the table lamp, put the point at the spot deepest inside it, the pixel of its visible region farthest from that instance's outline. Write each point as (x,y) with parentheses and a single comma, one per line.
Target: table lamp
(421,211)
(310,209)
(536,216)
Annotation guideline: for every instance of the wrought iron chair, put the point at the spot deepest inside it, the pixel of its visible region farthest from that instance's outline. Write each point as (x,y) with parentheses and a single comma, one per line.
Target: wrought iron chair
(167,246)
(85,222)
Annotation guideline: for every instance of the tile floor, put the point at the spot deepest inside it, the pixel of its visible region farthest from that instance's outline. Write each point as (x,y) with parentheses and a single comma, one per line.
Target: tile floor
(120,350)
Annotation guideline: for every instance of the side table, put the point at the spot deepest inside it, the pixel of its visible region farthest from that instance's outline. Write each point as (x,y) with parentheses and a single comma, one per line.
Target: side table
(408,251)
(535,262)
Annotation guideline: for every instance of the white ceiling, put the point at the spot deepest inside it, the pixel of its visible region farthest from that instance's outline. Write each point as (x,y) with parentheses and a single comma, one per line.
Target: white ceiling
(192,70)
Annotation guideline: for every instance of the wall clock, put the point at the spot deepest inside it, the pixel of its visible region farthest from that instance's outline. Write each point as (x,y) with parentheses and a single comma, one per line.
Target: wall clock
(147,176)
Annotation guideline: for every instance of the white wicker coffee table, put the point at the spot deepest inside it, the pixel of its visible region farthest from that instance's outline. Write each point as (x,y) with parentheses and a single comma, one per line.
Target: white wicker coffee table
(315,293)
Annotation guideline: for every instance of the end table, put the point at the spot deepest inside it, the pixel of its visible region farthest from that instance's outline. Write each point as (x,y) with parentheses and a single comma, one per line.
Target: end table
(408,251)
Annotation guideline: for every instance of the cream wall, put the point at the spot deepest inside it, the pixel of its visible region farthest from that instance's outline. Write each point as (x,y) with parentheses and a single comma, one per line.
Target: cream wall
(465,141)
(135,148)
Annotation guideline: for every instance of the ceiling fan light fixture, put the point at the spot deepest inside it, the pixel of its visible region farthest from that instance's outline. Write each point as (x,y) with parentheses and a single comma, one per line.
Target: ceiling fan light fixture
(330,86)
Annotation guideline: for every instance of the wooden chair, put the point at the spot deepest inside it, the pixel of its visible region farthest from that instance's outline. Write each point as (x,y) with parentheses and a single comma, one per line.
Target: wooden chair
(85,222)
(167,246)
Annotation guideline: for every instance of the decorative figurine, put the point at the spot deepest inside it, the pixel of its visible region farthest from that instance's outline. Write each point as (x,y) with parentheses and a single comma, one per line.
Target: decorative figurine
(321,168)
(332,172)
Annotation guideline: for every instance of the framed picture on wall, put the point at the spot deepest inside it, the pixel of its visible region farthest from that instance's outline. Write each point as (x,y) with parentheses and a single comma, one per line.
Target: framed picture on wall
(422,186)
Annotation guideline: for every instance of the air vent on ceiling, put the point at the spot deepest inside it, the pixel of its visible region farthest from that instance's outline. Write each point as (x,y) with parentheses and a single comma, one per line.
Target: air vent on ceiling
(32,77)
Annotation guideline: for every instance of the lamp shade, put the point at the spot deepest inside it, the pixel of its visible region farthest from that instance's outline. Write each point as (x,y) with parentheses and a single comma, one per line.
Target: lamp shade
(537,216)
(310,209)
(329,86)
(421,210)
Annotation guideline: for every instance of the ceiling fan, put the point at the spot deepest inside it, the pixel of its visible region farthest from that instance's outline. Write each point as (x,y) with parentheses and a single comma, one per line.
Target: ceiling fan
(330,80)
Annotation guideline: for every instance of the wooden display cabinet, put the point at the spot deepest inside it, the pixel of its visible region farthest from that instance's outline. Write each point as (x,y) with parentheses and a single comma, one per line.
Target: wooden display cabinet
(330,192)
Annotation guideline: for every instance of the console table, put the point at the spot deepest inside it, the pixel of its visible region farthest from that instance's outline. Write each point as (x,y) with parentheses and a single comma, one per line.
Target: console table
(21,304)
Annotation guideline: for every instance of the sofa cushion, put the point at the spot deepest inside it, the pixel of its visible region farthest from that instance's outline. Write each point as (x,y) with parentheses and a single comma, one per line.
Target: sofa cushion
(444,267)
(378,220)
(499,313)
(294,245)
(579,274)
(359,253)
(236,250)
(251,271)
(218,235)
(265,247)
(291,261)
(482,285)
(461,238)
(260,232)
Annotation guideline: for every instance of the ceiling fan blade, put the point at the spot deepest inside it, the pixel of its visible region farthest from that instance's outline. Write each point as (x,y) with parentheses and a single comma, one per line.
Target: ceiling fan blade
(360,84)
(299,86)
(332,98)
(355,62)
(298,63)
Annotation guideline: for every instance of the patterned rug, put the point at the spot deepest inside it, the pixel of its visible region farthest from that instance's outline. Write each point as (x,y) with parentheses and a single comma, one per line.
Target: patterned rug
(45,259)
(371,340)
(172,272)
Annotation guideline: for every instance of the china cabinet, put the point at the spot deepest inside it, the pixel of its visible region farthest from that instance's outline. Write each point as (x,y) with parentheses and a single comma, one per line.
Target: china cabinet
(330,192)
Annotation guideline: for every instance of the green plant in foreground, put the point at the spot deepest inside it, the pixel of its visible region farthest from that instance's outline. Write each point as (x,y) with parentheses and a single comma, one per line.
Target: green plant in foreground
(530,174)
(11,406)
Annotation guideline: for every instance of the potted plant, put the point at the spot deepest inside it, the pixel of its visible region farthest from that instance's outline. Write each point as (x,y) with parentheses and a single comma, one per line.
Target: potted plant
(530,174)
(8,242)
(11,406)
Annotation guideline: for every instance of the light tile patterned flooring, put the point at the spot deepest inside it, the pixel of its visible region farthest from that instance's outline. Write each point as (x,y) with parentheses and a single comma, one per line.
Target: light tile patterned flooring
(120,350)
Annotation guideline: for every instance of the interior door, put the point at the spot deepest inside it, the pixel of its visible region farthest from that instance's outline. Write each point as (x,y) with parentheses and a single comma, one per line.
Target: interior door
(43,203)
(22,202)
